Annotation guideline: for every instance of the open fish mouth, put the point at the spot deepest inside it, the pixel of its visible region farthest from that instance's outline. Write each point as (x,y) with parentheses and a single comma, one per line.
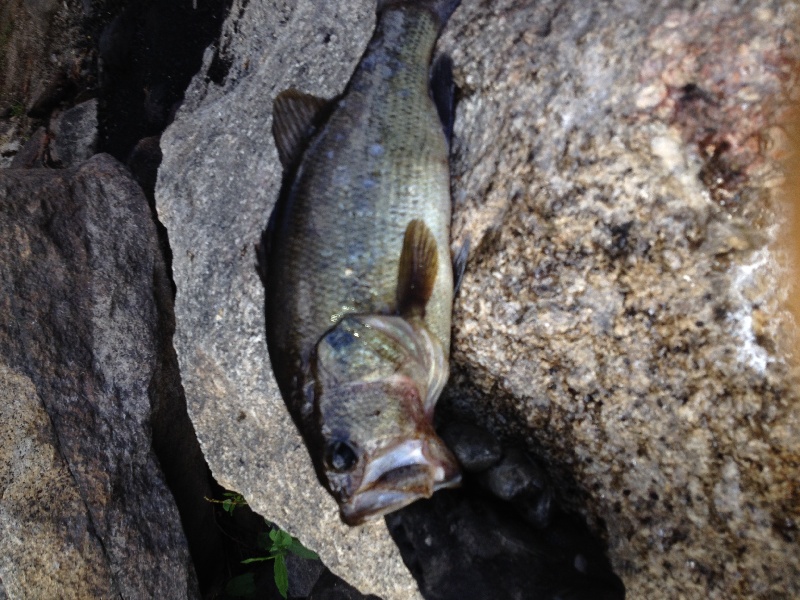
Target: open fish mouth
(407,472)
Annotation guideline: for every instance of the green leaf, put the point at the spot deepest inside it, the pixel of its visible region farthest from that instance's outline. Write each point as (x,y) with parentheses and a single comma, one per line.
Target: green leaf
(227,506)
(241,586)
(281,576)
(280,538)
(247,561)
(297,548)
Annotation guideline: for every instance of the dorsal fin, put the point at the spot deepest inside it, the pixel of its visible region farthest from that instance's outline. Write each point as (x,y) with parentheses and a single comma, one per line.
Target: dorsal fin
(293,115)
(419,261)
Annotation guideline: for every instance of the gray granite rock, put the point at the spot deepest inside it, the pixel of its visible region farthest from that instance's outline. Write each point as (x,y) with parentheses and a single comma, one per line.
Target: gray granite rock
(85,511)
(74,134)
(219,177)
(614,169)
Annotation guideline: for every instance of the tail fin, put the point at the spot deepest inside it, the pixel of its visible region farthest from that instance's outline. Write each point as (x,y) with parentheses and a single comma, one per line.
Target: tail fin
(441,8)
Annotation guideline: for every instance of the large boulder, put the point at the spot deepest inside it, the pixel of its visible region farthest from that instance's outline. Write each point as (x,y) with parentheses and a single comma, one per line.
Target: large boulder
(614,168)
(84,509)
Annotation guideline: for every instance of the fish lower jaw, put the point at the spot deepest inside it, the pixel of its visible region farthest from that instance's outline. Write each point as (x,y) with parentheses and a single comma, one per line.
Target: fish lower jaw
(397,489)
(370,505)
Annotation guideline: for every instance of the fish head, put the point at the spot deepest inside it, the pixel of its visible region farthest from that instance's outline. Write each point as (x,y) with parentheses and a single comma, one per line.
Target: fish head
(377,448)
(379,452)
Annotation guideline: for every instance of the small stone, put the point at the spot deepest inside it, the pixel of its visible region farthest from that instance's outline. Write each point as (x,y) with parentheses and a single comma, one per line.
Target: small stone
(75,134)
(516,476)
(31,155)
(475,448)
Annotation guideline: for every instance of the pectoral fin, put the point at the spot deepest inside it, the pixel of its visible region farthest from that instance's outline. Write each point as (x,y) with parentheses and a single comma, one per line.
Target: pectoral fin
(294,115)
(419,261)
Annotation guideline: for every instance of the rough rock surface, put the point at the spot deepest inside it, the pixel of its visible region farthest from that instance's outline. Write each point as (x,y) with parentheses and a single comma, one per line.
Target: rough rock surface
(84,511)
(38,40)
(75,134)
(614,168)
(218,180)
(43,60)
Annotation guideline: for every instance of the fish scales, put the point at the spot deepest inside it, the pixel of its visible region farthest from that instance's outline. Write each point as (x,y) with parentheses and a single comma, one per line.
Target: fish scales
(387,107)
(369,194)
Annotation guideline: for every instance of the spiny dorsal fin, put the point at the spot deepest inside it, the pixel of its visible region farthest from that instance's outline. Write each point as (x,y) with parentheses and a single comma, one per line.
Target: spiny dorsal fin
(419,261)
(293,114)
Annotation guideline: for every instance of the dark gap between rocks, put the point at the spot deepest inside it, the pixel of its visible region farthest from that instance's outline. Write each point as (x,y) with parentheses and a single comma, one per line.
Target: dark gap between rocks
(148,54)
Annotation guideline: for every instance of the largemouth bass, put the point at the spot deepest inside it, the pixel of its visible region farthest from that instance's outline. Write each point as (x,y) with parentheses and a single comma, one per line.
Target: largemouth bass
(357,268)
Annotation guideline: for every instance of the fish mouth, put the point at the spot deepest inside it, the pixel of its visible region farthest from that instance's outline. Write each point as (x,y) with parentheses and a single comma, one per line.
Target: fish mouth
(409,471)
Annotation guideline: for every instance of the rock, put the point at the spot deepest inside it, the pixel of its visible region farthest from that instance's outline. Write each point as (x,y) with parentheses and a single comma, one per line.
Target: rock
(149,51)
(40,41)
(34,153)
(45,527)
(74,134)
(143,163)
(8,150)
(470,546)
(85,510)
(475,448)
(330,587)
(217,182)
(618,311)
(500,535)
(303,575)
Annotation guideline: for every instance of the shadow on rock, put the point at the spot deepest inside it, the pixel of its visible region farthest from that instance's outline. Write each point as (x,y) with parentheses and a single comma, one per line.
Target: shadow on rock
(501,535)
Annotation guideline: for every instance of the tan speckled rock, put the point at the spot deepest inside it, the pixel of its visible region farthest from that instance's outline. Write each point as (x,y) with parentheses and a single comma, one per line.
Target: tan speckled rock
(47,543)
(620,310)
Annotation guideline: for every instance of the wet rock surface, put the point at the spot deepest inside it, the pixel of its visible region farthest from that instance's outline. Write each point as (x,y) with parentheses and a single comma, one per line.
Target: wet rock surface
(85,509)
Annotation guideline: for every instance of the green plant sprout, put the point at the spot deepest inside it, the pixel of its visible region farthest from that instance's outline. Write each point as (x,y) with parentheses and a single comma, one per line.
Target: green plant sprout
(277,543)
(230,502)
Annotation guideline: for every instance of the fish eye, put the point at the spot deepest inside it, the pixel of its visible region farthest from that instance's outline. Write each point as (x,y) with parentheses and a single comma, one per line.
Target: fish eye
(340,456)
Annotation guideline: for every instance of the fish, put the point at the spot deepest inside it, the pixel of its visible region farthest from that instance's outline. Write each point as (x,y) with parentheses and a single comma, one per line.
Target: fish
(356,267)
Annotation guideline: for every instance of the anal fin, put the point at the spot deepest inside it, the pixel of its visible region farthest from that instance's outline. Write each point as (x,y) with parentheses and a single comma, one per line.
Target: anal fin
(419,263)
